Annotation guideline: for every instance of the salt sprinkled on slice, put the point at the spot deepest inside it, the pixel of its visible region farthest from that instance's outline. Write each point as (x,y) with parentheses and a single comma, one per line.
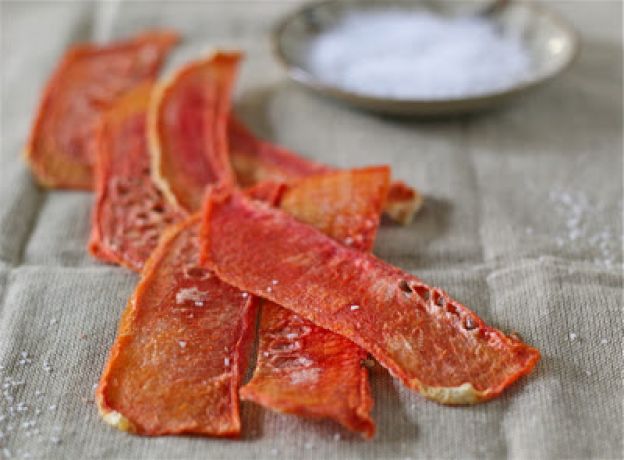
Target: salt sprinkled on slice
(191,294)
(417,55)
(573,336)
(355,307)
(181,343)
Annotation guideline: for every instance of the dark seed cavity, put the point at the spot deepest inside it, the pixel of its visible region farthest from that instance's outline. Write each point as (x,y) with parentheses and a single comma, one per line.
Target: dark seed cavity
(405,287)
(197,272)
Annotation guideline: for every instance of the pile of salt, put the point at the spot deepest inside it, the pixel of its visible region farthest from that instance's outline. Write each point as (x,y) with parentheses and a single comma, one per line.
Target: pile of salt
(417,55)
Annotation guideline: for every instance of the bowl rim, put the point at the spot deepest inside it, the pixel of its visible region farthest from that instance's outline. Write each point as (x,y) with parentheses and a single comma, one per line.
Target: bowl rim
(306,78)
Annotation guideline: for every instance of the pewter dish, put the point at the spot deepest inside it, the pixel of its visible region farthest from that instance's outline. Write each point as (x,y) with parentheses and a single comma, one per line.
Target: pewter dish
(551,43)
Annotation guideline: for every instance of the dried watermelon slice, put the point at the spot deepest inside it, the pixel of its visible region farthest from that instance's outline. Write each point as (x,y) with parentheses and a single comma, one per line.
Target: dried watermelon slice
(61,150)
(342,204)
(130,213)
(188,129)
(255,160)
(434,344)
(301,368)
(176,364)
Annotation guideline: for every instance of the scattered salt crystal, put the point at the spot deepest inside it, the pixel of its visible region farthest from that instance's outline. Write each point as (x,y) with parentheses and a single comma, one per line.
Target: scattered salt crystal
(573,336)
(53,321)
(182,343)
(55,440)
(604,341)
(355,307)
(269,289)
(348,241)
(226,361)
(588,373)
(191,294)
(274,282)
(244,295)
(400,54)
(52,407)
(309,376)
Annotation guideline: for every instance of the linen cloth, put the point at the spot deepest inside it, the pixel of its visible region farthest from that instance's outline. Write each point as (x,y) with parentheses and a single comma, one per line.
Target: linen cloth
(522,222)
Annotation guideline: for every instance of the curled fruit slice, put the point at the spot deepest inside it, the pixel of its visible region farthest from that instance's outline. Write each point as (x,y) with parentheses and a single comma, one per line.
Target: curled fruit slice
(255,160)
(130,213)
(188,129)
(61,149)
(176,363)
(301,368)
(431,342)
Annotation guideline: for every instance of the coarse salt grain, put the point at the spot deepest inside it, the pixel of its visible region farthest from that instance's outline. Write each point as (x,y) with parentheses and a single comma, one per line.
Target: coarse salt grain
(413,54)
(191,294)
(355,307)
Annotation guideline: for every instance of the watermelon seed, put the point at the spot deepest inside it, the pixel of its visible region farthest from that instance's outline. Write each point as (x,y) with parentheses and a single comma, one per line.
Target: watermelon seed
(122,188)
(405,287)
(469,324)
(197,272)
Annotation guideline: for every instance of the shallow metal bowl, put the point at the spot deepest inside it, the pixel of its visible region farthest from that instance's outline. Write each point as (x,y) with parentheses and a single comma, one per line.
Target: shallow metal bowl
(552,45)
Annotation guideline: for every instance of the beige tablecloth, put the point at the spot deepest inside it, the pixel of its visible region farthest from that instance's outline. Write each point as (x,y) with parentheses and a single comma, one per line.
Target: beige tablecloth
(522,222)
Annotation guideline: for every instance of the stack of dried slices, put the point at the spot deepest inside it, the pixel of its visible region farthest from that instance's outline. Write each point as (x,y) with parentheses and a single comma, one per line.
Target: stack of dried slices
(220,223)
